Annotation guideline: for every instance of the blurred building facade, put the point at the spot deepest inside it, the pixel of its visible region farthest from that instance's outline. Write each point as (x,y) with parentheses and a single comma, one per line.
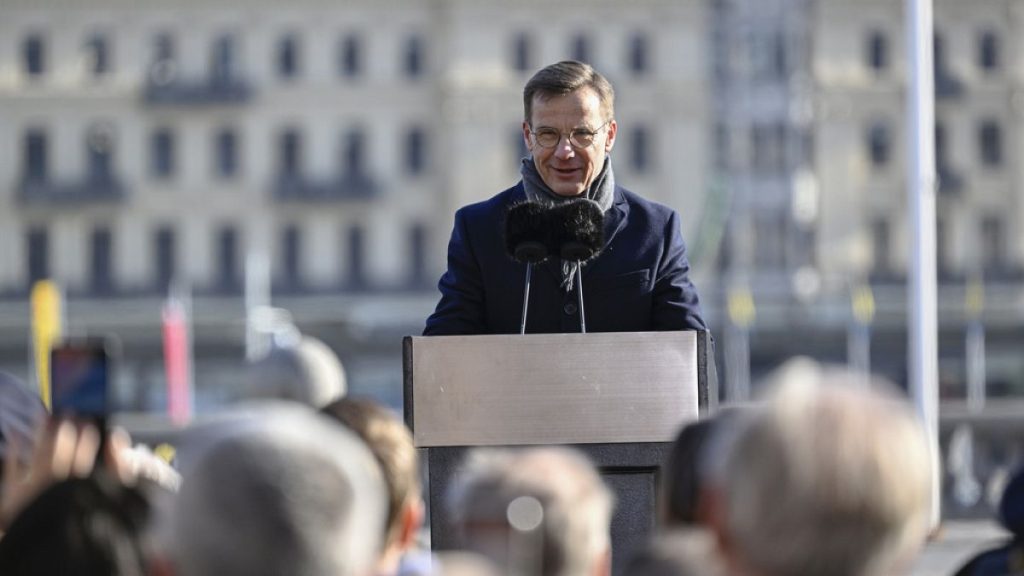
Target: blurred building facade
(160,143)
(145,145)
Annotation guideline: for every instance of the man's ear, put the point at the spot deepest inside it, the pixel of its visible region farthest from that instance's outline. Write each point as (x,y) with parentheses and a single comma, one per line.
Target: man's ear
(410,522)
(526,137)
(603,565)
(157,565)
(711,513)
(609,142)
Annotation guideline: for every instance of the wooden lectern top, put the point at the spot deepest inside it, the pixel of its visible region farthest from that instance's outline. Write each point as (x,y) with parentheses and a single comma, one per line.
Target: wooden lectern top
(501,390)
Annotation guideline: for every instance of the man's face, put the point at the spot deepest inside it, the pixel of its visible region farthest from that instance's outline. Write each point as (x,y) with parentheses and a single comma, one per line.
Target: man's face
(566,169)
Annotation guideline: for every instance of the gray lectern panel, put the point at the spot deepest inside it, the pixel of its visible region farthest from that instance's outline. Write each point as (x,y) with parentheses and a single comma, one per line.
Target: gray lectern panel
(551,388)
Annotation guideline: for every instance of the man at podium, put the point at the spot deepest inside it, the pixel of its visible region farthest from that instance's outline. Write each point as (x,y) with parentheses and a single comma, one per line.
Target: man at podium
(639,280)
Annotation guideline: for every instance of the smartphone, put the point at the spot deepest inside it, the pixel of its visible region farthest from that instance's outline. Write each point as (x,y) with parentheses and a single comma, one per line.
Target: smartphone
(80,378)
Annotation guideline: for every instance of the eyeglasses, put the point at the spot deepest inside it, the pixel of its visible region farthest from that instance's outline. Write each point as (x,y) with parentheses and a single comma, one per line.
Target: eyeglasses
(579,138)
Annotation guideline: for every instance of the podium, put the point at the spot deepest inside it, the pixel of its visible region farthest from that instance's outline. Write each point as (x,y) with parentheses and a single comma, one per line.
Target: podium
(618,397)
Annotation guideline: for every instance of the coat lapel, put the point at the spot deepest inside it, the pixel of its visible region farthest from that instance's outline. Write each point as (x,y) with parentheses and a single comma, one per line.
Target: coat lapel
(614,222)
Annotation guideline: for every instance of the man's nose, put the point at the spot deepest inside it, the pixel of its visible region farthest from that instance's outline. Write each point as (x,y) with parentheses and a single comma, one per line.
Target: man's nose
(564,148)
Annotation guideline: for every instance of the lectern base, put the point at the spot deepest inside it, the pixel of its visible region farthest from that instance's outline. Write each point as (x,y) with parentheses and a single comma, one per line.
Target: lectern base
(631,470)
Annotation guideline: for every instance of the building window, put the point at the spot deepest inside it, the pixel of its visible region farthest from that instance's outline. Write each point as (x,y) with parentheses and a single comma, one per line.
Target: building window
(881,246)
(289,153)
(163,69)
(350,56)
(162,154)
(417,255)
(356,254)
(941,161)
(992,243)
(769,241)
(288,57)
(223,65)
(768,148)
(354,151)
(780,56)
(97,52)
(99,146)
(638,54)
(878,51)
(38,257)
(413,63)
(33,52)
(227,258)
(163,48)
(879,144)
(722,146)
(415,151)
(36,156)
(291,255)
(101,261)
(580,48)
(988,50)
(640,149)
(990,143)
(521,57)
(226,153)
(164,257)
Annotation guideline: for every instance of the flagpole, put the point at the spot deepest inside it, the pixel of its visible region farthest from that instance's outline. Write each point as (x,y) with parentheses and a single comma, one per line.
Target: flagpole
(921,187)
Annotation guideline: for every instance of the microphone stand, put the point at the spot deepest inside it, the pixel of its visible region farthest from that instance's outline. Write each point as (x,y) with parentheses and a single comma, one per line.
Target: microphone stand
(579,295)
(526,298)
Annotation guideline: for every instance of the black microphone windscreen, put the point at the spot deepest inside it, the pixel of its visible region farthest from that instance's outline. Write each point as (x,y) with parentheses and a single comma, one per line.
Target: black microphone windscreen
(527,232)
(578,229)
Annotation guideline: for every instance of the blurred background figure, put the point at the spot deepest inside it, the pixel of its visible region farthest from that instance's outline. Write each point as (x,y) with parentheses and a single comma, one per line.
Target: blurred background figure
(684,474)
(282,490)
(540,511)
(825,478)
(92,526)
(21,414)
(392,446)
(679,552)
(1009,557)
(303,370)
(65,510)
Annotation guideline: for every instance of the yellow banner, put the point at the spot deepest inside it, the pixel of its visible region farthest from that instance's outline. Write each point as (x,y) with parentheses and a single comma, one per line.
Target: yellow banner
(47,321)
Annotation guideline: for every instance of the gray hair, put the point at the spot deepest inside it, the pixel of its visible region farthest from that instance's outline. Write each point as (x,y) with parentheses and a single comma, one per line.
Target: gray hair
(570,526)
(564,78)
(308,372)
(281,491)
(827,477)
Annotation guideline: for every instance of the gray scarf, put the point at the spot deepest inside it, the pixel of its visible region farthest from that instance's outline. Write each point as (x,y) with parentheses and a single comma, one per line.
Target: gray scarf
(602,191)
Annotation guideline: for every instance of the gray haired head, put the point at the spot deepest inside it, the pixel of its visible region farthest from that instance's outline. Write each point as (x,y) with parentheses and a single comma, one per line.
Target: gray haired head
(282,490)
(308,372)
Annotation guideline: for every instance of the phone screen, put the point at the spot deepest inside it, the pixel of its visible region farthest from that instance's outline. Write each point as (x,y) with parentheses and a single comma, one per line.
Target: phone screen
(79,375)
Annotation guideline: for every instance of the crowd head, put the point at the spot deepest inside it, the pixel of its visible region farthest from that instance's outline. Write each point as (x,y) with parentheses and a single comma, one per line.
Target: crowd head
(392,446)
(306,371)
(825,477)
(285,492)
(543,511)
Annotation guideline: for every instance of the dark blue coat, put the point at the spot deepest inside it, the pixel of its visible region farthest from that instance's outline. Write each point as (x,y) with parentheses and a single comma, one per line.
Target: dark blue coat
(639,282)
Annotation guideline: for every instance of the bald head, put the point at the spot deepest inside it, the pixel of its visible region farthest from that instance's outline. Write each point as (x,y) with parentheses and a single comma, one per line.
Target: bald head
(284,491)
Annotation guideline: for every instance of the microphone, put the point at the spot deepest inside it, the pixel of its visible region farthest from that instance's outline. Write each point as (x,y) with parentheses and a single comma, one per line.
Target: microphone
(527,236)
(578,234)
(527,231)
(578,229)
